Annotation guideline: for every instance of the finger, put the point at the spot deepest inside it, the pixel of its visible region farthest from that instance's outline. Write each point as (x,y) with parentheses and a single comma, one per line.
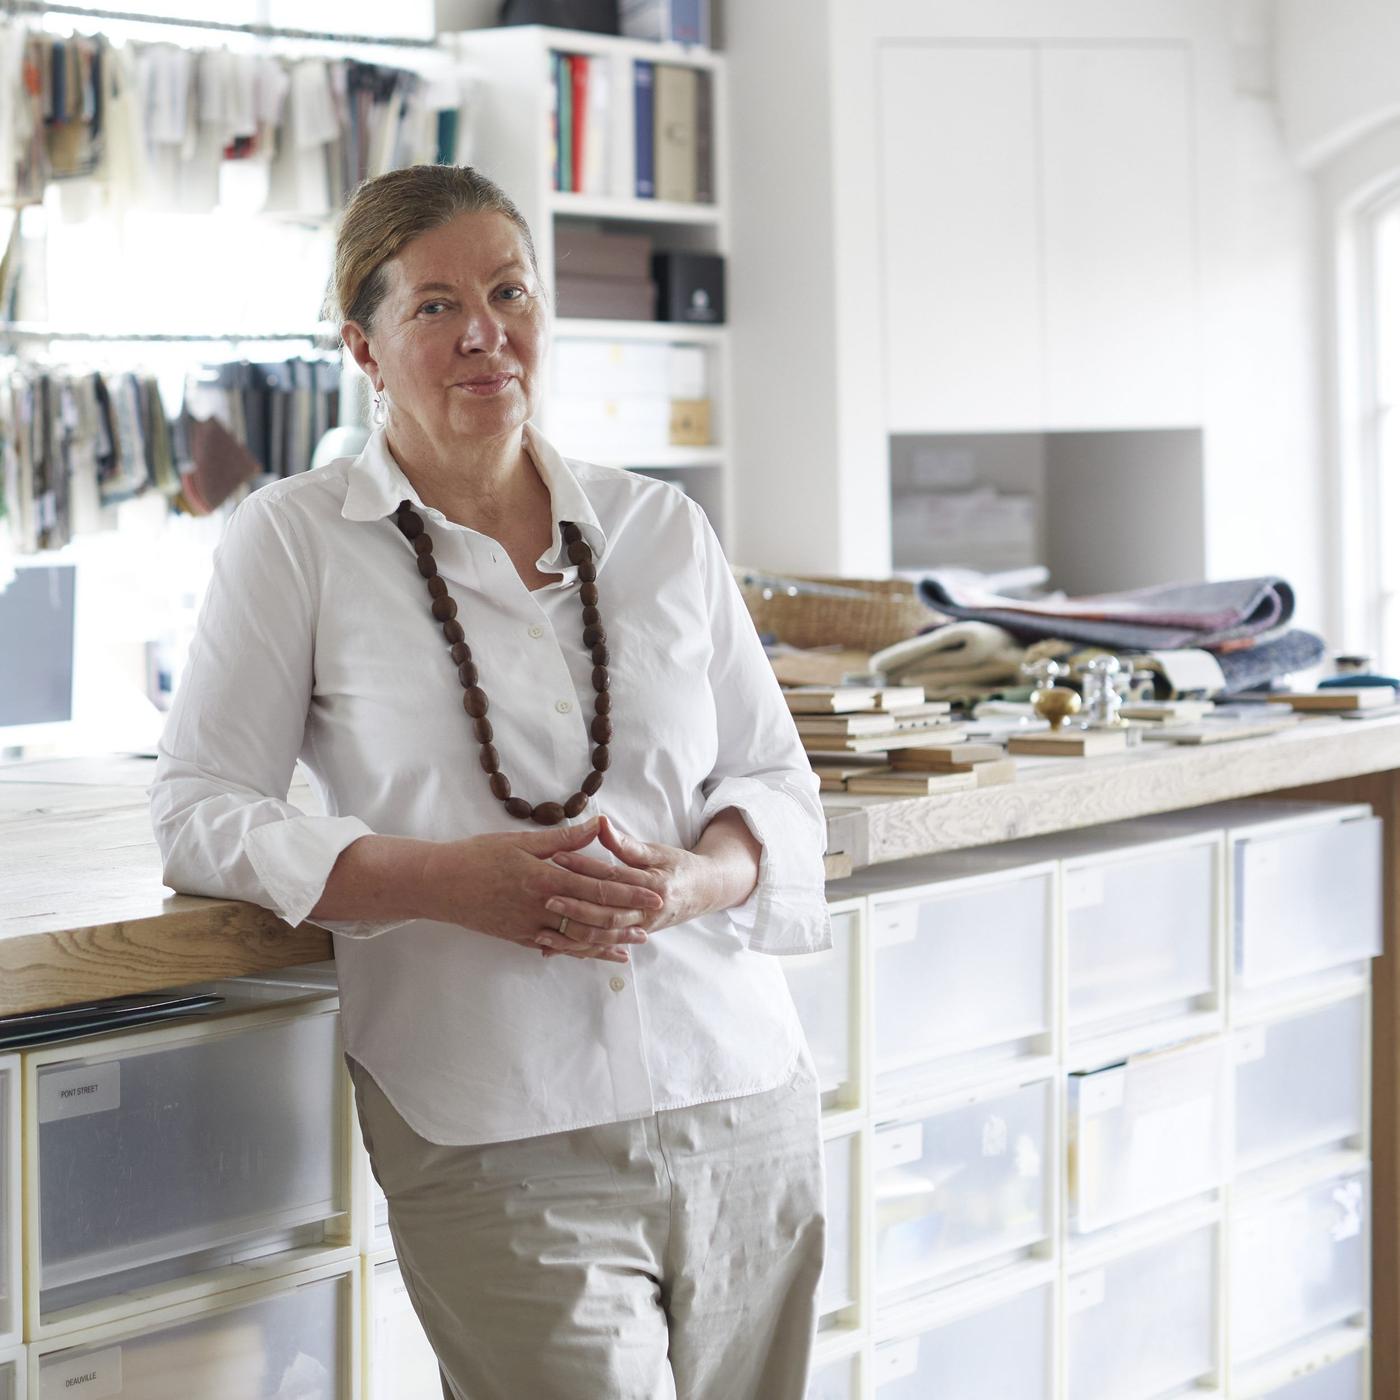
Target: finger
(603,869)
(626,848)
(603,891)
(556,945)
(594,924)
(559,838)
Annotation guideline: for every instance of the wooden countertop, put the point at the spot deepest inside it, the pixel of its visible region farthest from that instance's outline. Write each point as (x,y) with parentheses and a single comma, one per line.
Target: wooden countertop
(83,913)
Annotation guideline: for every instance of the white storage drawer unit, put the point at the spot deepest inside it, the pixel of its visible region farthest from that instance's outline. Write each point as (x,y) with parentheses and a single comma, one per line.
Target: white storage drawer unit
(1141,912)
(295,1339)
(1299,1262)
(963,1187)
(825,988)
(1146,1134)
(401,1363)
(161,1155)
(1147,1322)
(12,1375)
(1305,888)
(1344,1379)
(1301,1083)
(963,966)
(834,1380)
(1004,1350)
(11,1306)
(840,1279)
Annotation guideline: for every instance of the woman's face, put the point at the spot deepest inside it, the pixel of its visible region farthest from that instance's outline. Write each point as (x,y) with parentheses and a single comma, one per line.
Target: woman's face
(460,335)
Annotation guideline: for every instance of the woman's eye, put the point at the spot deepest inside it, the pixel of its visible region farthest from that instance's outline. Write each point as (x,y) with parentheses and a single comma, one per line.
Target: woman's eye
(520,290)
(432,306)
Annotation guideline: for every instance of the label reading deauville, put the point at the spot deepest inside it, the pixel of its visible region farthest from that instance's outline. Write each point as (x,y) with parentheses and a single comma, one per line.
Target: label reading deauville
(86,1377)
(71,1093)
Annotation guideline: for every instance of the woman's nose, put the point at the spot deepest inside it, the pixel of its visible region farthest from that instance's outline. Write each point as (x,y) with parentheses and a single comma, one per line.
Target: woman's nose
(481,331)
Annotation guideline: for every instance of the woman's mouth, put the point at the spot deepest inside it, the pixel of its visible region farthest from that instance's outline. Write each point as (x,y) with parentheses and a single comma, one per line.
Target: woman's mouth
(485,387)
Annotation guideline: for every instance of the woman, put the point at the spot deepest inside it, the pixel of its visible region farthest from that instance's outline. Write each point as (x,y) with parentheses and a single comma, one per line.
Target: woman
(545,735)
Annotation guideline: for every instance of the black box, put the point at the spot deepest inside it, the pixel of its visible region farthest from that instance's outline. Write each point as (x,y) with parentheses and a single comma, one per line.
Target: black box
(689,287)
(597,16)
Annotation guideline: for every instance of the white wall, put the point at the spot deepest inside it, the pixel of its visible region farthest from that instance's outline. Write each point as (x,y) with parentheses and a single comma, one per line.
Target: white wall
(1338,72)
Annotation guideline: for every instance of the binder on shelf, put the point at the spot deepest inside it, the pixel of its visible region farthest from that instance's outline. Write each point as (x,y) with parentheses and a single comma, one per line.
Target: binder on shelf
(644,90)
(675,133)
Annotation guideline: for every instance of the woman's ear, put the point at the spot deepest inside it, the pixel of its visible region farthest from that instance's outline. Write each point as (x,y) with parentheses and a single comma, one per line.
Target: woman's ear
(357,343)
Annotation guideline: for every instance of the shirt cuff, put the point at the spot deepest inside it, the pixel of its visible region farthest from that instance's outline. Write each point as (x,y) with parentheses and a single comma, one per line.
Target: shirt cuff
(293,859)
(787,911)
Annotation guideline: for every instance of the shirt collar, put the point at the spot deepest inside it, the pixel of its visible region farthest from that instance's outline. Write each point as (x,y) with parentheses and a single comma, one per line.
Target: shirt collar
(377,484)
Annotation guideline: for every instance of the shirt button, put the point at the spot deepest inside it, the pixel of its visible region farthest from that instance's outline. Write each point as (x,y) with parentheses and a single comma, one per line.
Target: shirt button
(536,630)
(563,706)
(617,984)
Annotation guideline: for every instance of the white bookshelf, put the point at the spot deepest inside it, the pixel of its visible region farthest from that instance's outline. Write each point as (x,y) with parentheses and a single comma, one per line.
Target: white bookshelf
(510,140)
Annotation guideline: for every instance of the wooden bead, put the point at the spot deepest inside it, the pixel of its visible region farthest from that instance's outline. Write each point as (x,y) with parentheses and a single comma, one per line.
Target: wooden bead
(600,656)
(594,636)
(601,758)
(423,544)
(460,652)
(444,609)
(547,813)
(476,702)
(490,759)
(410,524)
(591,783)
(483,731)
(453,631)
(466,673)
(601,729)
(437,588)
(570,531)
(426,566)
(579,552)
(500,786)
(588,594)
(587,571)
(602,703)
(576,804)
(600,678)
(518,807)
(591,616)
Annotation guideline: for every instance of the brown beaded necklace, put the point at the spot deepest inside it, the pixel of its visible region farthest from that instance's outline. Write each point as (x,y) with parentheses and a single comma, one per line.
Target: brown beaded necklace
(474,701)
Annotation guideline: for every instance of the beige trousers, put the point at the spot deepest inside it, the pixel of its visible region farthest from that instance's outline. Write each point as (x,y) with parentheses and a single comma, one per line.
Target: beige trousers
(673,1257)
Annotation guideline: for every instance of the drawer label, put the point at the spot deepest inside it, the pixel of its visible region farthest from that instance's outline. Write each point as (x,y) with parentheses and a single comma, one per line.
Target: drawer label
(896,924)
(1102,1092)
(1085,1291)
(1250,1045)
(899,1146)
(71,1093)
(1084,888)
(89,1377)
(894,1362)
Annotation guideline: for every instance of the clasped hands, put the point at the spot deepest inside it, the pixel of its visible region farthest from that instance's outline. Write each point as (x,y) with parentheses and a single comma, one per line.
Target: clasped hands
(520,886)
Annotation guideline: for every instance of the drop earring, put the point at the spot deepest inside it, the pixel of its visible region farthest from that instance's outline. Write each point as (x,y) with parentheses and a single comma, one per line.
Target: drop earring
(379,414)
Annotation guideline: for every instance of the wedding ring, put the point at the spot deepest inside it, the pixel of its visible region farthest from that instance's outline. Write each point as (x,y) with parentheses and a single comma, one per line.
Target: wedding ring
(563,923)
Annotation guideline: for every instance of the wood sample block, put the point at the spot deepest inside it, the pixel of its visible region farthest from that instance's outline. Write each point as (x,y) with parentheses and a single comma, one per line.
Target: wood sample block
(1070,743)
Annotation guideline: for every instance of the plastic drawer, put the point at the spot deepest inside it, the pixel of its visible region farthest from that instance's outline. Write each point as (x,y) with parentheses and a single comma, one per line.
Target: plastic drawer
(1146,1323)
(839,1281)
(1300,1262)
(297,1340)
(11,1309)
(1300,1083)
(823,987)
(962,1188)
(163,1155)
(13,1375)
(1004,1350)
(1146,1134)
(962,965)
(402,1364)
(1339,1380)
(835,1380)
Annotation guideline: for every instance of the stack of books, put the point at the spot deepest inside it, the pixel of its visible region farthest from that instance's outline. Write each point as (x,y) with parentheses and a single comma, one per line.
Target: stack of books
(887,740)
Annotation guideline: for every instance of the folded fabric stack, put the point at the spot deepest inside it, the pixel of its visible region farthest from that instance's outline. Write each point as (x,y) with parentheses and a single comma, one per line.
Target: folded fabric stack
(1238,628)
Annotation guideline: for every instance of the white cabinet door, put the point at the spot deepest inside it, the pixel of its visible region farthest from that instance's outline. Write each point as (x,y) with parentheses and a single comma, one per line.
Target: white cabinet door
(960,236)
(1119,236)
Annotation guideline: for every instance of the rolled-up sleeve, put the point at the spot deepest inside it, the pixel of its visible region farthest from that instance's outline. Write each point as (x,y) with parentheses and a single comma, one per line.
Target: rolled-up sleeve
(762,771)
(225,760)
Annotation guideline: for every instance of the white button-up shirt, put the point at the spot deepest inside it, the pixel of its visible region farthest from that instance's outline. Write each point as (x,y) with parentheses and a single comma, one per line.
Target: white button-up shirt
(316,642)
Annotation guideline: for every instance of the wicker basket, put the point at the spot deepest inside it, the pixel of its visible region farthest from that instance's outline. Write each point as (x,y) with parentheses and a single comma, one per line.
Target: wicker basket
(859,614)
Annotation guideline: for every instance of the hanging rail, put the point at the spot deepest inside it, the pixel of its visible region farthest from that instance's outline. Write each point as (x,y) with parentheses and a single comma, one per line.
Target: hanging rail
(260,31)
(30,331)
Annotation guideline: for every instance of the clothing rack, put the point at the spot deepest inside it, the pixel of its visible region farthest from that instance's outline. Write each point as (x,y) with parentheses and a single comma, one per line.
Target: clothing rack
(28,331)
(260,31)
